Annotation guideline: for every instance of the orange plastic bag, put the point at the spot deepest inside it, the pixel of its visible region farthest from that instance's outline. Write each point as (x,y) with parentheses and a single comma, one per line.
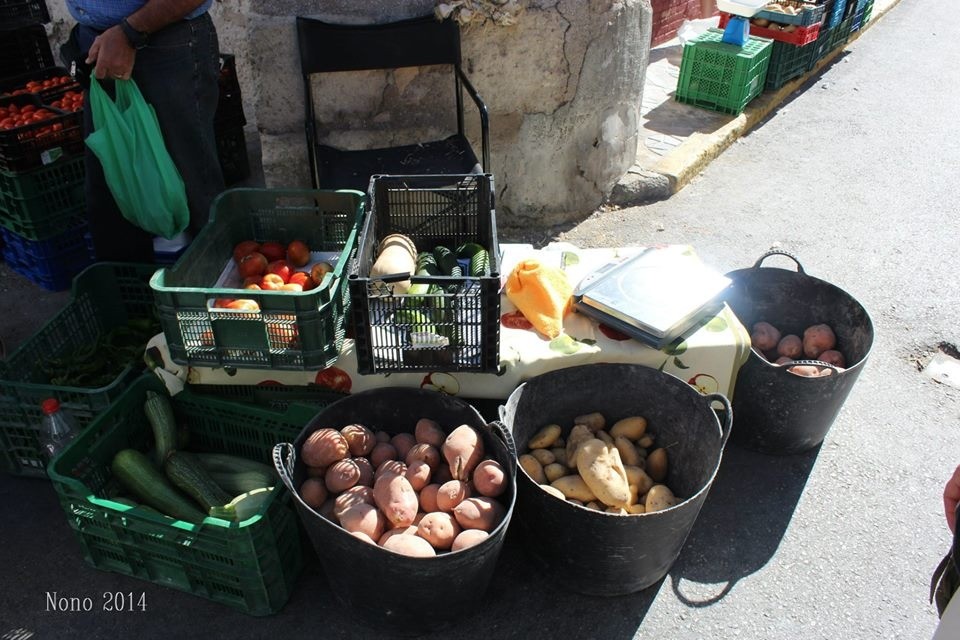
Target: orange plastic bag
(542,294)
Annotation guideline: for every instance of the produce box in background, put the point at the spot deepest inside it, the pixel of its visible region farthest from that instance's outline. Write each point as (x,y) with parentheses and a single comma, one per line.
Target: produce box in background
(43,202)
(788,61)
(251,565)
(24,50)
(448,317)
(51,263)
(110,311)
(17,13)
(271,329)
(48,134)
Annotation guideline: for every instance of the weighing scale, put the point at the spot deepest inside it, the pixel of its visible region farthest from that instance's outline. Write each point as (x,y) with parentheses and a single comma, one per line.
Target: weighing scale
(737,31)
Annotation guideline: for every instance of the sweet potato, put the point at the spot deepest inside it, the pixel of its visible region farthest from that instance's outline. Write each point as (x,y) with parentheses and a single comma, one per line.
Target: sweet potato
(463,451)
(600,467)
(382,452)
(409,530)
(324,447)
(342,475)
(313,491)
(468,538)
(764,336)
(366,472)
(426,452)
(396,498)
(418,473)
(359,439)
(381,436)
(428,497)
(489,478)
(439,529)
(403,442)
(442,474)
(365,518)
(806,371)
(351,497)
(427,431)
(834,357)
(479,513)
(362,536)
(790,346)
(394,467)
(414,546)
(817,339)
(452,493)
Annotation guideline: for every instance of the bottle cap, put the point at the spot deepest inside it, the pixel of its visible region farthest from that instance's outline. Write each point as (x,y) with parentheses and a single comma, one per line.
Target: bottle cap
(50,405)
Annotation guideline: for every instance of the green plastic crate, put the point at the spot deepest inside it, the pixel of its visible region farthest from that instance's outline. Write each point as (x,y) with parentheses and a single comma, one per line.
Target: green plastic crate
(44,202)
(722,77)
(275,396)
(251,565)
(788,61)
(104,296)
(292,330)
(841,34)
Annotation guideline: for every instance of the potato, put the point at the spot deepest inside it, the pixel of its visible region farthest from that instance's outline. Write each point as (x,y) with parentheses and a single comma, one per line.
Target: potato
(596,506)
(659,498)
(468,538)
(428,497)
(638,477)
(394,467)
(553,491)
(644,442)
(783,360)
(452,493)
(543,456)
(351,497)
(396,498)
(834,357)
(439,529)
(825,371)
(575,501)
(532,467)
(428,431)
(413,546)
(578,435)
(316,472)
(418,474)
(573,486)
(790,346)
(657,464)
(593,421)
(606,437)
(359,439)
(601,468)
(442,474)
(403,442)
(788,28)
(636,508)
(554,471)
(410,530)
(545,438)
(628,451)
(382,452)
(631,428)
(366,472)
(324,447)
(489,478)
(760,22)
(617,510)
(365,518)
(463,451)
(806,371)
(479,513)
(362,536)
(326,511)
(559,454)
(426,452)
(314,493)
(342,475)
(764,336)
(381,436)
(817,339)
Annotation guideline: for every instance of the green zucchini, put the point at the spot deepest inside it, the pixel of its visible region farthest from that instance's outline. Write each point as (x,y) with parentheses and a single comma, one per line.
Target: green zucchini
(480,264)
(468,249)
(446,259)
(246,505)
(426,262)
(417,320)
(159,414)
(237,482)
(189,475)
(231,463)
(144,481)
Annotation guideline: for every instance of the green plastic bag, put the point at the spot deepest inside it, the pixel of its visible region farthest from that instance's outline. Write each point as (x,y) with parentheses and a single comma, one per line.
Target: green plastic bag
(138,168)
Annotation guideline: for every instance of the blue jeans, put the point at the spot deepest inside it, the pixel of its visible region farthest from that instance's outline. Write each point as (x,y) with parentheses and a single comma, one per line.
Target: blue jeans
(177,73)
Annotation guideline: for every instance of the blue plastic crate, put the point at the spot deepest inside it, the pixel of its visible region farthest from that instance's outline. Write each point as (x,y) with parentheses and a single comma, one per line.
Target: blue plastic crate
(834,13)
(50,263)
(861,15)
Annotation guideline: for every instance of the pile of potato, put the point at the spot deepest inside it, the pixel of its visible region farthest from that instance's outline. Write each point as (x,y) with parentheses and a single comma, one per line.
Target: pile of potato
(819,342)
(417,494)
(605,470)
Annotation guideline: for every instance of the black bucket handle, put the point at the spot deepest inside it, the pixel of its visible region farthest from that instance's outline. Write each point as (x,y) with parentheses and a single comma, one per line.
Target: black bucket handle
(283,462)
(779,252)
(501,430)
(727,409)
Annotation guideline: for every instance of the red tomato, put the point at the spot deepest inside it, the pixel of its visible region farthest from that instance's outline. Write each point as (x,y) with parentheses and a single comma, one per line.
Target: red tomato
(335,379)
(515,320)
(612,333)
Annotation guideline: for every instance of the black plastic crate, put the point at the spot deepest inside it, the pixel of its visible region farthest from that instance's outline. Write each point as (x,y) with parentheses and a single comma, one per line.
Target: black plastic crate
(455,328)
(17,13)
(24,50)
(36,144)
(232,152)
(43,202)
(47,84)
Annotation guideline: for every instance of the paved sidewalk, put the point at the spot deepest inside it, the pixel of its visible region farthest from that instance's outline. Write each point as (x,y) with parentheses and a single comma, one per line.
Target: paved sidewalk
(677,140)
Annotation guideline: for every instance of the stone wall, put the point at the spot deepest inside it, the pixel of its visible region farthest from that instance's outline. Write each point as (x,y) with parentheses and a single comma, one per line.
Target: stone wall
(563,87)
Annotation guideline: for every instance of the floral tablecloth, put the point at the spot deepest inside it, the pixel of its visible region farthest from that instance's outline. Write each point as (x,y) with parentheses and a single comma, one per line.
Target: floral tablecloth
(708,357)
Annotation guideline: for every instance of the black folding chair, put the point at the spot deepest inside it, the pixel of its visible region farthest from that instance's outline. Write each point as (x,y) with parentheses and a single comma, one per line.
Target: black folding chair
(418,42)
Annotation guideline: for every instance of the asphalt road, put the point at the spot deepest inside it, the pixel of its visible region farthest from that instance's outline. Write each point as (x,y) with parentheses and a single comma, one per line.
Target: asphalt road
(856,176)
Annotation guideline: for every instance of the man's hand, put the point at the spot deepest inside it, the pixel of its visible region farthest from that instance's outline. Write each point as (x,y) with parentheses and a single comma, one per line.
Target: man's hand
(951,495)
(113,55)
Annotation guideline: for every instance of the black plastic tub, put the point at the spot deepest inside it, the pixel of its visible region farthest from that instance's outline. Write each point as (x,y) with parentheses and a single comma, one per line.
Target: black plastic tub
(606,554)
(379,588)
(779,412)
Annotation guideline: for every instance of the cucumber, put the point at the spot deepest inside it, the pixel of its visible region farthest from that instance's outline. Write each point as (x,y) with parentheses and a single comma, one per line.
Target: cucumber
(426,262)
(188,474)
(144,481)
(446,259)
(417,320)
(159,414)
(468,250)
(480,264)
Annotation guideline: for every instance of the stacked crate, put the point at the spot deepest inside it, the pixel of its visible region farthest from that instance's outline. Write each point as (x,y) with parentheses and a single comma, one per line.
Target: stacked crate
(42,206)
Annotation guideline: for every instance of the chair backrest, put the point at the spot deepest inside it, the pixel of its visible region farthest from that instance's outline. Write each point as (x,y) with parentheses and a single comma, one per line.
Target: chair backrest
(417,42)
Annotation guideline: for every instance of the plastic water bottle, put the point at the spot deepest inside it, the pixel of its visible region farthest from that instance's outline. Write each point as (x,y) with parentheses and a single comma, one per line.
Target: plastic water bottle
(57,428)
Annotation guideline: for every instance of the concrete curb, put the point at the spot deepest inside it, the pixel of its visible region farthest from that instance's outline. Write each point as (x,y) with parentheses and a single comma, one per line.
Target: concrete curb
(675,170)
